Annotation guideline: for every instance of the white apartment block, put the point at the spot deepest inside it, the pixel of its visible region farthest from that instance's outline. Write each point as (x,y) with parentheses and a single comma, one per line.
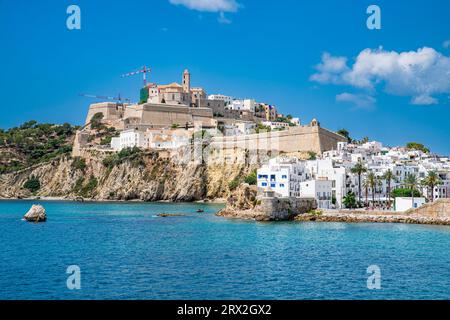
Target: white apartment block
(129,139)
(321,190)
(275,125)
(152,139)
(168,139)
(243,104)
(227,99)
(239,128)
(282,175)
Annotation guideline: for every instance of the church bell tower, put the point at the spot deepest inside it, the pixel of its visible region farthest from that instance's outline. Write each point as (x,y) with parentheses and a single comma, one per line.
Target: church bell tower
(186,81)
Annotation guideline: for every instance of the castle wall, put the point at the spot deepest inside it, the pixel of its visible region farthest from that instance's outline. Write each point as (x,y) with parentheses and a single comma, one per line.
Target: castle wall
(163,115)
(111,111)
(296,139)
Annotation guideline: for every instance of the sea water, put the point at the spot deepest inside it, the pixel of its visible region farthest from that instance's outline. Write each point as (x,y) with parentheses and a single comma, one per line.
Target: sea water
(125,251)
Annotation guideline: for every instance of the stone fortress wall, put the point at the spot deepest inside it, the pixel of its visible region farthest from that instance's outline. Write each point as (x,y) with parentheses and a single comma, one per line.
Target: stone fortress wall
(296,139)
(151,115)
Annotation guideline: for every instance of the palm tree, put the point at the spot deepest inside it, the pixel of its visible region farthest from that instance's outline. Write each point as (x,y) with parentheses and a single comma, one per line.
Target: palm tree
(388,177)
(380,188)
(372,181)
(431,181)
(359,169)
(366,188)
(411,182)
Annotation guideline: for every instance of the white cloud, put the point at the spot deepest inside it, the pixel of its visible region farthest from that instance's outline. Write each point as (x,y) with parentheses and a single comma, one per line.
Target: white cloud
(330,69)
(446,44)
(361,101)
(424,100)
(208,5)
(418,74)
(223,19)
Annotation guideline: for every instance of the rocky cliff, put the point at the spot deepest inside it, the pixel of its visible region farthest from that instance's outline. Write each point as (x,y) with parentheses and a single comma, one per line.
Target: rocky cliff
(146,176)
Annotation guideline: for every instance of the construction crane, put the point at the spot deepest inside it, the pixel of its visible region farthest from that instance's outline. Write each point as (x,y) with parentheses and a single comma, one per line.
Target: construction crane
(144,72)
(119,99)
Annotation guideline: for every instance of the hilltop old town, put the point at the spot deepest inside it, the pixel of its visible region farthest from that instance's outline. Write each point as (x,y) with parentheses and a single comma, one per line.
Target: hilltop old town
(296,160)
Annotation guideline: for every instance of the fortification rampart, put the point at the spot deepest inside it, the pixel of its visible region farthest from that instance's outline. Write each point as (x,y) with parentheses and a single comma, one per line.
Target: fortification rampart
(296,139)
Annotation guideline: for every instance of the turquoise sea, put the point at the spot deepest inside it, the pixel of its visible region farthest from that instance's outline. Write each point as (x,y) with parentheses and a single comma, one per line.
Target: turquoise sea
(124,251)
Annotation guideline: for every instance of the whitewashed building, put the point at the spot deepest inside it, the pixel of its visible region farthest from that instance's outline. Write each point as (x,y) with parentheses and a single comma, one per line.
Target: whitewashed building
(282,175)
(243,104)
(276,125)
(321,190)
(226,99)
(129,139)
(167,139)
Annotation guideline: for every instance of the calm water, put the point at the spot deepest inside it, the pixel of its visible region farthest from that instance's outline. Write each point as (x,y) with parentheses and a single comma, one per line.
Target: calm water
(126,252)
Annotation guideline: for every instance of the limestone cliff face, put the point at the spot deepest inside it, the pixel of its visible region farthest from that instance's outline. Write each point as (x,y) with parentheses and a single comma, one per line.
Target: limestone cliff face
(152,177)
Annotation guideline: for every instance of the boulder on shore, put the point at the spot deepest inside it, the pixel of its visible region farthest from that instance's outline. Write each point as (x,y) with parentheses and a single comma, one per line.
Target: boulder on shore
(36,214)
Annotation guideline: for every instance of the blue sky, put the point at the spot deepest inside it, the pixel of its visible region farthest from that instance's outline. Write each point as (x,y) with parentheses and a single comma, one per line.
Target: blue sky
(303,56)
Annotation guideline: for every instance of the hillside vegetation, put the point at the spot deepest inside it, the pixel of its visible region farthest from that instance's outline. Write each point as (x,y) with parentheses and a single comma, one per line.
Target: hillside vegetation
(33,143)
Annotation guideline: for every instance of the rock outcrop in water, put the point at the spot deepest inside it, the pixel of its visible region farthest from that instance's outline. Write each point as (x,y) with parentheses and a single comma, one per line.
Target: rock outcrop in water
(246,204)
(36,214)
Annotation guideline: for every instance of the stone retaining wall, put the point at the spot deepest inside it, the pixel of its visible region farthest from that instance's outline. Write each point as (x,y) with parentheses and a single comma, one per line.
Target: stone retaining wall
(438,208)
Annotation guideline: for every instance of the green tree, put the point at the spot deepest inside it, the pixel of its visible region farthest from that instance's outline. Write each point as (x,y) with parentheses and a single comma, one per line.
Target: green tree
(33,184)
(432,180)
(366,186)
(251,179)
(345,133)
(350,200)
(417,146)
(404,192)
(372,181)
(96,120)
(359,169)
(262,128)
(389,177)
(312,155)
(411,182)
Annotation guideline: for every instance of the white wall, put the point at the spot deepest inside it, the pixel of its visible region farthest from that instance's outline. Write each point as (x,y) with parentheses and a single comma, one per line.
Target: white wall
(403,204)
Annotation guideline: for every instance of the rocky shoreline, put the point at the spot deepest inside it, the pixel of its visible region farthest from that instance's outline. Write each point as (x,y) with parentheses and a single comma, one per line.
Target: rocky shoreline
(373,218)
(339,217)
(243,214)
(80,199)
(244,204)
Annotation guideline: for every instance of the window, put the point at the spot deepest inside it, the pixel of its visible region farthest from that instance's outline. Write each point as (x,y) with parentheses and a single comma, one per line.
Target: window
(272,185)
(284,176)
(264,184)
(281,185)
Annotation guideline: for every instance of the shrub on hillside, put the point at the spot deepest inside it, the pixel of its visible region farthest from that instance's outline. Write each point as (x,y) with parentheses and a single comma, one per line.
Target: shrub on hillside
(79,163)
(251,179)
(33,184)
